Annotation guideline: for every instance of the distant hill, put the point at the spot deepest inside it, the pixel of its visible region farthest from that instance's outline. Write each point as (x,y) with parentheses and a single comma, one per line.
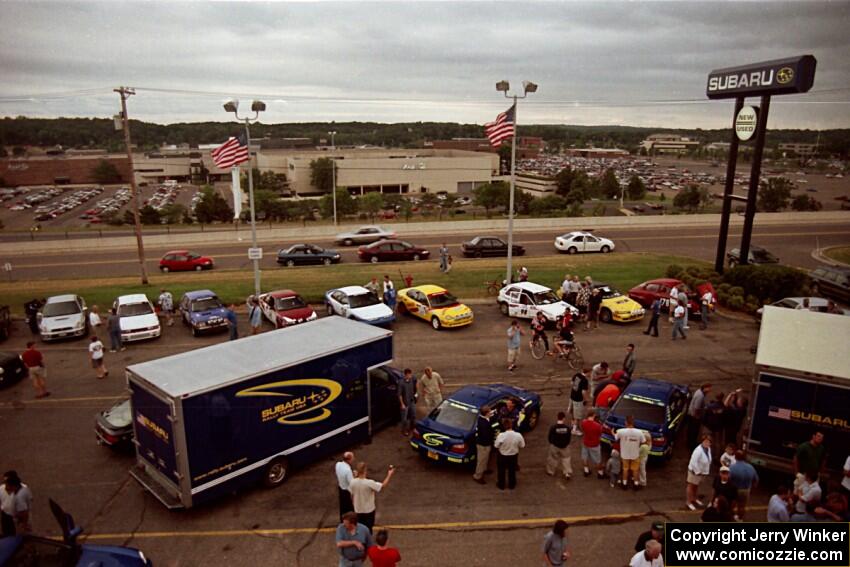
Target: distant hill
(100,133)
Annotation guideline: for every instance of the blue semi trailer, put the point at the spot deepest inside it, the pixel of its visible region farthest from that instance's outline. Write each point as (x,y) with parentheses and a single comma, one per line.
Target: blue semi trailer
(216,419)
(801,385)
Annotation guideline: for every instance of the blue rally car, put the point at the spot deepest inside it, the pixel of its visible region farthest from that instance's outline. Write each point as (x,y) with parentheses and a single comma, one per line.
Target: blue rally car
(33,550)
(448,433)
(657,406)
(202,311)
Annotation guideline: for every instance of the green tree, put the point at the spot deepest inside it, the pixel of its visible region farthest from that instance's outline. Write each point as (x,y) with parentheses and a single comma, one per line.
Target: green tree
(805,203)
(490,195)
(345,204)
(691,198)
(174,213)
(522,201)
(149,215)
(187,217)
(212,207)
(371,203)
(129,218)
(428,201)
(321,174)
(105,172)
(636,189)
(774,194)
(564,181)
(547,205)
(609,187)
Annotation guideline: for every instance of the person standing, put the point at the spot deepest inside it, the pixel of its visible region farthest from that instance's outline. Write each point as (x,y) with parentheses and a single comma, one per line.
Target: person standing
(723,486)
(655,531)
(583,300)
(95,321)
(407,401)
(483,443)
(113,324)
(508,443)
(579,396)
(381,554)
(630,362)
(591,449)
(15,505)
(779,505)
(363,491)
(649,557)
(555,549)
(389,292)
(373,286)
(643,459)
(745,477)
(696,409)
(166,306)
(514,338)
(255,315)
(344,476)
(353,539)
(538,331)
(699,468)
(431,387)
(598,373)
(594,303)
(679,314)
(630,439)
(655,311)
(232,322)
(559,441)
(682,299)
(734,414)
(96,355)
(565,289)
(705,304)
(34,361)
(811,455)
(809,495)
(444,257)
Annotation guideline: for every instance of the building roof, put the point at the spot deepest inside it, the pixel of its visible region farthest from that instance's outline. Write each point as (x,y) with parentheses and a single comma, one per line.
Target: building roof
(202,369)
(805,341)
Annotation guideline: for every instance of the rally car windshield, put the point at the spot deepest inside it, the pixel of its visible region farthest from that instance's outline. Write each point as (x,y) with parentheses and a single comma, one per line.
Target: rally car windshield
(641,411)
(206,304)
(60,309)
(442,300)
(608,292)
(134,309)
(454,415)
(363,300)
(287,303)
(545,298)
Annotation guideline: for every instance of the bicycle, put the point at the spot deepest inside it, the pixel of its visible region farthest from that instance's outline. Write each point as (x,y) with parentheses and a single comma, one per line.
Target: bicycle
(492,287)
(573,356)
(538,346)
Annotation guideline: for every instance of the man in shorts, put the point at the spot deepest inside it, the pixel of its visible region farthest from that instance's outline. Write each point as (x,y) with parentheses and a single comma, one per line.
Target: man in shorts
(538,330)
(34,361)
(96,355)
(514,338)
(591,445)
(166,306)
(578,399)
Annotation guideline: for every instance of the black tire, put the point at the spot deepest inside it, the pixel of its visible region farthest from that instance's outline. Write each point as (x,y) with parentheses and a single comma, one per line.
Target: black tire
(606,316)
(164,269)
(290,263)
(572,250)
(416,257)
(605,249)
(478,254)
(198,268)
(348,242)
(194,332)
(330,309)
(374,259)
(435,323)
(276,472)
(326,261)
(503,307)
(533,419)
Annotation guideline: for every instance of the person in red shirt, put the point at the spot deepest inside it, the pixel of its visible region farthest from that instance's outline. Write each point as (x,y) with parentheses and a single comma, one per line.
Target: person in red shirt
(34,362)
(607,396)
(380,554)
(591,448)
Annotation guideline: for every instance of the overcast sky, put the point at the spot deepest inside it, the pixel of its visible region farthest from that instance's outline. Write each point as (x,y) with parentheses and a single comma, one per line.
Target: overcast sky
(595,63)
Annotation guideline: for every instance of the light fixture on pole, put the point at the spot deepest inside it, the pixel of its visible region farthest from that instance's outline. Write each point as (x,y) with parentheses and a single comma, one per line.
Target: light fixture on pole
(504,87)
(333,171)
(257,107)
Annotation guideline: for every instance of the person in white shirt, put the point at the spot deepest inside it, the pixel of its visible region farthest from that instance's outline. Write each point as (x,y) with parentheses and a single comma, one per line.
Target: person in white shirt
(650,557)
(699,468)
(682,298)
(15,506)
(96,355)
(706,301)
(508,443)
(166,306)
(630,439)
(344,476)
(95,322)
(679,314)
(565,288)
(363,491)
(808,496)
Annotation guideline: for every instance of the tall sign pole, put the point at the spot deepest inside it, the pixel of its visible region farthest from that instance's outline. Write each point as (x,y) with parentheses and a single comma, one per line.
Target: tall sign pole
(777,77)
(134,189)
(509,269)
(255,256)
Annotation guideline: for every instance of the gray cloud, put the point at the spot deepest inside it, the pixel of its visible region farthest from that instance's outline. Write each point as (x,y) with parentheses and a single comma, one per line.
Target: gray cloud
(442,58)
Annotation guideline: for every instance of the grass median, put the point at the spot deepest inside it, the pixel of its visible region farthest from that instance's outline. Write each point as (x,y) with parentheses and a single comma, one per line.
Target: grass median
(466,280)
(839,254)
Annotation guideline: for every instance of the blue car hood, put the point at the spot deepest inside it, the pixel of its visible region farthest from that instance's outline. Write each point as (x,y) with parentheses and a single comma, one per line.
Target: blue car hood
(428,426)
(109,556)
(205,315)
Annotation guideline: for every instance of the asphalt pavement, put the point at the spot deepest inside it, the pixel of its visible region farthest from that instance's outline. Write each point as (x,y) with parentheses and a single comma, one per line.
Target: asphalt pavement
(437,514)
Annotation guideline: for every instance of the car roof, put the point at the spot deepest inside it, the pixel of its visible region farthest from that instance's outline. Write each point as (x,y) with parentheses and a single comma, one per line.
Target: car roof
(651,388)
(61,298)
(576,232)
(132,298)
(476,395)
(530,287)
(427,289)
(198,293)
(183,251)
(352,290)
(282,293)
(664,281)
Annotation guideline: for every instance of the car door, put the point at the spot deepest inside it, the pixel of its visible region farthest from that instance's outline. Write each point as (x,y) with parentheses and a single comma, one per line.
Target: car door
(267,307)
(313,254)
(514,306)
(578,242)
(591,244)
(498,247)
(420,303)
(384,389)
(184,309)
(403,251)
(181,262)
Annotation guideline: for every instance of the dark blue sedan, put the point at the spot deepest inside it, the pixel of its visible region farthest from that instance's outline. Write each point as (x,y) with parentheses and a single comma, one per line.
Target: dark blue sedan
(448,433)
(657,406)
(307,254)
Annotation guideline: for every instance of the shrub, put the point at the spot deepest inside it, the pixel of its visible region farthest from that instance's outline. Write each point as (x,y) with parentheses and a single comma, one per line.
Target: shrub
(737,290)
(753,299)
(735,302)
(723,288)
(763,282)
(674,271)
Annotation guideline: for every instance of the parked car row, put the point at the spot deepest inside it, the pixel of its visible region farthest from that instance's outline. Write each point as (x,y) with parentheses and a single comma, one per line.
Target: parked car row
(107,206)
(68,203)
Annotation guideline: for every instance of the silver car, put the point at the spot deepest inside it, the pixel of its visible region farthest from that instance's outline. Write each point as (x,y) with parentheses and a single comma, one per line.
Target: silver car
(63,316)
(364,235)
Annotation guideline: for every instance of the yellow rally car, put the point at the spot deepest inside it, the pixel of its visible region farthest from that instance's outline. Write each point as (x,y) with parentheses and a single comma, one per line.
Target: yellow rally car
(434,304)
(618,307)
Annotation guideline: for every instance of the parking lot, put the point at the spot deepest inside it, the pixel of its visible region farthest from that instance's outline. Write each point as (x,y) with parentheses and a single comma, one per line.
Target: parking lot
(440,516)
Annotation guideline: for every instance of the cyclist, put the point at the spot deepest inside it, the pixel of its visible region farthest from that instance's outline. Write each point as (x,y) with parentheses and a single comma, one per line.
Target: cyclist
(538,331)
(566,340)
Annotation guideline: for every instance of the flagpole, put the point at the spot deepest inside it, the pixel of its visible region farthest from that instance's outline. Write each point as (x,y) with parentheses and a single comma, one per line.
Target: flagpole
(511,201)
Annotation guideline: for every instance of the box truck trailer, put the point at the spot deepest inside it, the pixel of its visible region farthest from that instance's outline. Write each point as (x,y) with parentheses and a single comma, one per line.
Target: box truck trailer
(801,385)
(216,419)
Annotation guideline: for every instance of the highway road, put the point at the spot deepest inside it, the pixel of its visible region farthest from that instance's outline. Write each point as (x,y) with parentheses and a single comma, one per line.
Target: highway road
(793,243)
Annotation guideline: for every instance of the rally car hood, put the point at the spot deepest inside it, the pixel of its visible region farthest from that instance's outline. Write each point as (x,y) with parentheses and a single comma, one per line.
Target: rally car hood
(63,321)
(297,314)
(110,556)
(372,312)
(220,312)
(137,322)
(453,311)
(623,303)
(555,310)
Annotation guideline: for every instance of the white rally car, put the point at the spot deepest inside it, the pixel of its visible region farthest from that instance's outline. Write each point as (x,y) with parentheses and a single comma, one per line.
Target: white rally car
(526,299)
(582,241)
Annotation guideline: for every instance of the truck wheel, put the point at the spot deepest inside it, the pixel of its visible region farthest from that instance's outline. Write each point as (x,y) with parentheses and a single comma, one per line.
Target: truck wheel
(275,472)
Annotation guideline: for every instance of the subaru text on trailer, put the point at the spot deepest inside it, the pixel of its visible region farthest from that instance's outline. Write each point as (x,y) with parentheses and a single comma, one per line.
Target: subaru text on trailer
(217,419)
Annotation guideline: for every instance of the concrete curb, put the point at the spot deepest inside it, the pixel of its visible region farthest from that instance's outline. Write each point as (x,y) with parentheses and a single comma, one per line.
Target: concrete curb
(820,256)
(494,226)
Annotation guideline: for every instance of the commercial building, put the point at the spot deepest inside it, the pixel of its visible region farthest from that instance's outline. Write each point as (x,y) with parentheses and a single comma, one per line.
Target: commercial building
(386,171)
(535,184)
(604,153)
(799,149)
(59,169)
(668,144)
(528,147)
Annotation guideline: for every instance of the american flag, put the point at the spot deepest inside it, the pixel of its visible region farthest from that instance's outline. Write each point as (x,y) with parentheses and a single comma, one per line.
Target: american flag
(233,152)
(780,413)
(502,128)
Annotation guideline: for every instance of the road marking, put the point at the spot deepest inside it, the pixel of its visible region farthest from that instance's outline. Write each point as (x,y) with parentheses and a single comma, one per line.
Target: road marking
(61,400)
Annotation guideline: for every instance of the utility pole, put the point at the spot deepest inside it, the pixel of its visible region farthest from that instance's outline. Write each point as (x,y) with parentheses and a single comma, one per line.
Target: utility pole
(125,123)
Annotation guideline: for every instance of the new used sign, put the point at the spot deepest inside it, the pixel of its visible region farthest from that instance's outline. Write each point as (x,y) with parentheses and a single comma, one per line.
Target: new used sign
(780,76)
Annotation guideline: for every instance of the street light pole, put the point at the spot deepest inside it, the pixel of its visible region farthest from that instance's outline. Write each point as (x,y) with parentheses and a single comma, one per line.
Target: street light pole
(257,106)
(333,172)
(528,87)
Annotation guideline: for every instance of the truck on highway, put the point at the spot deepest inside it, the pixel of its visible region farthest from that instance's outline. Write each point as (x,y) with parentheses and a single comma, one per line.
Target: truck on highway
(217,419)
(801,385)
